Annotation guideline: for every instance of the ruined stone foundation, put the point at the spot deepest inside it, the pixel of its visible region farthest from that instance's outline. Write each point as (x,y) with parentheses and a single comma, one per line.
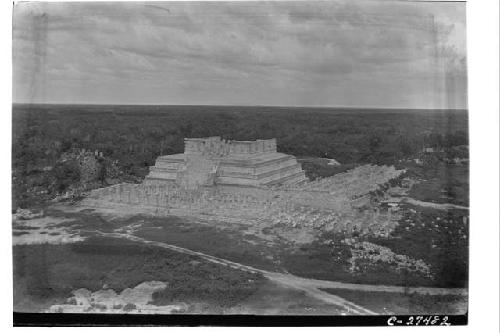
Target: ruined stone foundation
(213,161)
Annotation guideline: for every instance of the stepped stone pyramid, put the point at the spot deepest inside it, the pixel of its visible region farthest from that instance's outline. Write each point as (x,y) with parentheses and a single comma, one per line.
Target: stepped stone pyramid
(214,161)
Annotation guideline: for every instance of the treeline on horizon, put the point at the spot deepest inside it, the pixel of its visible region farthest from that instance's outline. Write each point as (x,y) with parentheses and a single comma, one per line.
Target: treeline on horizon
(348,137)
(212,107)
(137,135)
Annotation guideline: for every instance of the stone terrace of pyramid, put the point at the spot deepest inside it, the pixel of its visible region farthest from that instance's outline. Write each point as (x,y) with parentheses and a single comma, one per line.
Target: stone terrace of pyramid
(215,161)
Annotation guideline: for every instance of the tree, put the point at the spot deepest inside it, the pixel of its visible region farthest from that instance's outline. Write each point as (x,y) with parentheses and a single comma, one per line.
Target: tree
(101,170)
(406,146)
(66,174)
(374,142)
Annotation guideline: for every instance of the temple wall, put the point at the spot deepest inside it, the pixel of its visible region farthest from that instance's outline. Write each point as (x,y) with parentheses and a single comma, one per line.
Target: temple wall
(278,173)
(230,169)
(215,146)
(292,174)
(174,165)
(253,147)
(242,181)
(163,169)
(171,175)
(166,167)
(278,205)
(277,164)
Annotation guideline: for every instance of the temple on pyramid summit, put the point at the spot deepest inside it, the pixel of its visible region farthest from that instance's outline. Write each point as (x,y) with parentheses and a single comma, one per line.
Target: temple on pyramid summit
(215,161)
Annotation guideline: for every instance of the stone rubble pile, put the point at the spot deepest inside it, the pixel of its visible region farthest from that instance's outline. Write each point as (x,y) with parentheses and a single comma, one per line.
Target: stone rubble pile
(366,251)
(348,221)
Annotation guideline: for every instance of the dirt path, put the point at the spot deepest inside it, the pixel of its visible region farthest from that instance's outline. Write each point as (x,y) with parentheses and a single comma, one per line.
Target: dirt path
(324,284)
(310,286)
(442,206)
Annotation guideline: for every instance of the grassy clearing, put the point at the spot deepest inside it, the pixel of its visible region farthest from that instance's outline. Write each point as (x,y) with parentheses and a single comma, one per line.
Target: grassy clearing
(398,303)
(45,274)
(440,238)
(331,262)
(228,244)
(420,235)
(225,244)
(444,183)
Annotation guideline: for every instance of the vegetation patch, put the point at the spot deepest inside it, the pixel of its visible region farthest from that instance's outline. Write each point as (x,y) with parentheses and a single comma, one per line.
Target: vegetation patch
(442,183)
(432,241)
(19,233)
(226,244)
(399,303)
(216,288)
(24,227)
(50,272)
(330,259)
(439,238)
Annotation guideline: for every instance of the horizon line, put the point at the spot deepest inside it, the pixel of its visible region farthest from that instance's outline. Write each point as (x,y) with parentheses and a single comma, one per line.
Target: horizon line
(247,105)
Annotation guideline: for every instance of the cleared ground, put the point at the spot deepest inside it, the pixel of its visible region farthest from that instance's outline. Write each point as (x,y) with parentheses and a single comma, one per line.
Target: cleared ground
(98,264)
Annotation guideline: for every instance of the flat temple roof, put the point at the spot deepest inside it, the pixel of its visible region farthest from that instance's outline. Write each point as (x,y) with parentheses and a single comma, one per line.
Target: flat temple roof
(234,141)
(203,139)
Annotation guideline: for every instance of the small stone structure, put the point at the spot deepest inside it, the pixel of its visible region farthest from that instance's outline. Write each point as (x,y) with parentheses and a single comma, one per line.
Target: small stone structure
(215,161)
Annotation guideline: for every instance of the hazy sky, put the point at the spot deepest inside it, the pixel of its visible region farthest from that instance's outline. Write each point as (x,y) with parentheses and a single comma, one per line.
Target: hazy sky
(331,53)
